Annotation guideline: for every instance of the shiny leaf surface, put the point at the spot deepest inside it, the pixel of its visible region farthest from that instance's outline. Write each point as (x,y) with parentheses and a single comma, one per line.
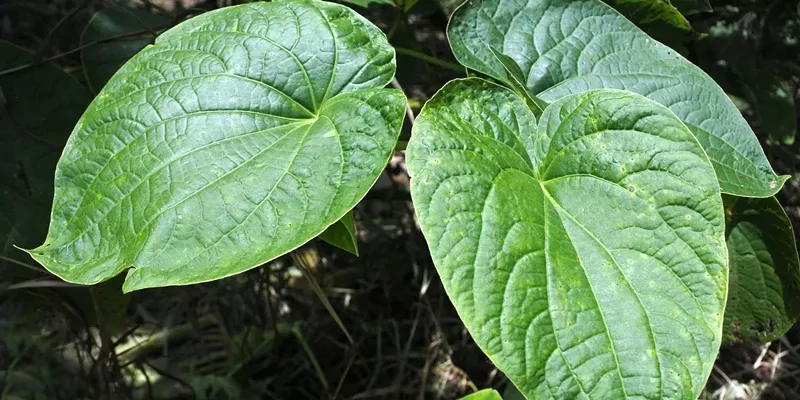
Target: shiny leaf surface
(238,136)
(565,47)
(586,254)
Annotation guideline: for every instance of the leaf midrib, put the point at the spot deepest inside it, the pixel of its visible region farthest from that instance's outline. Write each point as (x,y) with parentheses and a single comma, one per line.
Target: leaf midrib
(602,246)
(533,173)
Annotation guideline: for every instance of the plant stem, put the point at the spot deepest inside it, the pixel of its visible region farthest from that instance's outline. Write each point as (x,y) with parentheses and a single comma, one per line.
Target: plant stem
(311,357)
(429,59)
(398,15)
(23,264)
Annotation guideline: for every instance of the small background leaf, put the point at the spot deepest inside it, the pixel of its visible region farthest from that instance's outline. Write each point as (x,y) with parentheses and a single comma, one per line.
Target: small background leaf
(692,6)
(646,12)
(102,60)
(485,394)
(764,293)
(342,234)
(659,19)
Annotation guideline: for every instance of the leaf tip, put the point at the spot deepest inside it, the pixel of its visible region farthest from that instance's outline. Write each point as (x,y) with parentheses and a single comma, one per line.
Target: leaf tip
(39,254)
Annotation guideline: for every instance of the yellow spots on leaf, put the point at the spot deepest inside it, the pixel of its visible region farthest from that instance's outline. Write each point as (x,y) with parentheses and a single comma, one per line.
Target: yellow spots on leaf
(595,123)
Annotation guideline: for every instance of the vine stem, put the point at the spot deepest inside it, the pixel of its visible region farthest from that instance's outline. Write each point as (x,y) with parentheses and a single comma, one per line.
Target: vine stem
(22,264)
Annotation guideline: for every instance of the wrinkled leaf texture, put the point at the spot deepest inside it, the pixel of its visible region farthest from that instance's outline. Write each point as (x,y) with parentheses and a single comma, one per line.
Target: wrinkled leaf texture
(564,47)
(238,136)
(586,253)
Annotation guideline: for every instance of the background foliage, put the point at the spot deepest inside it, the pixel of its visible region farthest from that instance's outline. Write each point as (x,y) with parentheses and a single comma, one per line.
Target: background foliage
(324,323)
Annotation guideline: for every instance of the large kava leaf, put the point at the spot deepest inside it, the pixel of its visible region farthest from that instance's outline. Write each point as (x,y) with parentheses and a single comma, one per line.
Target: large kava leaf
(586,254)
(238,136)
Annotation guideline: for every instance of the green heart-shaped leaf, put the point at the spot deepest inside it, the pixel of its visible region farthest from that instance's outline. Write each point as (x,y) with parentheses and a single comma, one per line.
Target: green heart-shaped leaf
(764,294)
(569,46)
(240,135)
(585,255)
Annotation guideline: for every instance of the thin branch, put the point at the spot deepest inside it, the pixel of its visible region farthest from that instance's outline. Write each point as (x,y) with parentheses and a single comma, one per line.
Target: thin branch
(75,50)
(23,264)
